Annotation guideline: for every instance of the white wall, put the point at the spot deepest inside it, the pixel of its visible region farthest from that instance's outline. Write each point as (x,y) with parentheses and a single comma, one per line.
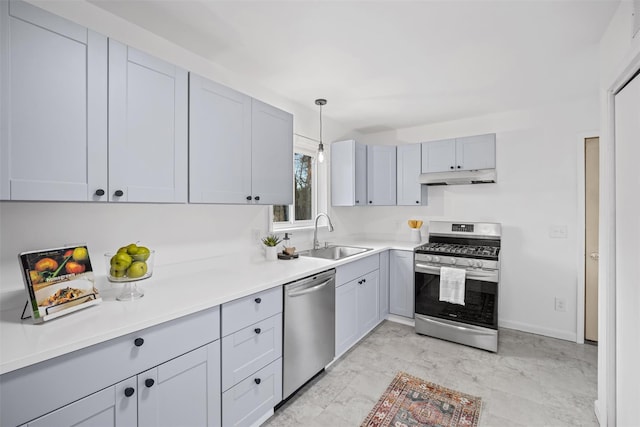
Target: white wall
(536,189)
(174,230)
(619,58)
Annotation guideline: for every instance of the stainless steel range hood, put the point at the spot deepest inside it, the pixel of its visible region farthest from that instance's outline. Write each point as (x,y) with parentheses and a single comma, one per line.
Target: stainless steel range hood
(481,176)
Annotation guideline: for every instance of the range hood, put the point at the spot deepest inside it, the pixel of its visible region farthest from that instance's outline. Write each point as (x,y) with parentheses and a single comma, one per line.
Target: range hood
(480,176)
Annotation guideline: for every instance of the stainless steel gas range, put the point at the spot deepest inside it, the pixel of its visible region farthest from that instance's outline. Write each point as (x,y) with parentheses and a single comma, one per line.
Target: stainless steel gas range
(460,259)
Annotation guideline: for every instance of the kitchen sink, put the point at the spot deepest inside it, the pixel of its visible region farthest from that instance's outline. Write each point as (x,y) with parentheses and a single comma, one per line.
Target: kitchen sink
(334,252)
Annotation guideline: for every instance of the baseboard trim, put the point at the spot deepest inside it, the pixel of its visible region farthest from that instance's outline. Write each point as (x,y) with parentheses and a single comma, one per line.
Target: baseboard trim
(596,409)
(525,327)
(263,418)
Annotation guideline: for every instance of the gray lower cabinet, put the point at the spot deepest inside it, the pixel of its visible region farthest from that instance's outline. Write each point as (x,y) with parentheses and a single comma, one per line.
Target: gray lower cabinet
(106,383)
(251,357)
(357,301)
(401,293)
(384,284)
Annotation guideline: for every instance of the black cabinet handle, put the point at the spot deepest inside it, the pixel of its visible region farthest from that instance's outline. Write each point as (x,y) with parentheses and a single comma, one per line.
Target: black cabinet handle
(451,167)
(359,282)
(248,197)
(418,201)
(138,342)
(258,300)
(99,192)
(370,201)
(257,198)
(364,280)
(257,380)
(459,167)
(257,330)
(357,201)
(149,382)
(129,391)
(119,193)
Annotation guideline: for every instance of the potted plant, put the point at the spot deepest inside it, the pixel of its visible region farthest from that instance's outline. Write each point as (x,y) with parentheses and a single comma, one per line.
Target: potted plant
(270,242)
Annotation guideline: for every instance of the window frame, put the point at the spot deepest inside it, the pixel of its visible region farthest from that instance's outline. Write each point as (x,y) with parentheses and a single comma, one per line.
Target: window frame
(308,147)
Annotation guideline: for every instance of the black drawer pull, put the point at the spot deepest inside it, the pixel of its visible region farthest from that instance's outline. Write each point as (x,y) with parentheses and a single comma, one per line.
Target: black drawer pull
(249,197)
(138,342)
(149,382)
(129,391)
(257,330)
(257,380)
(99,192)
(258,300)
(119,193)
(257,198)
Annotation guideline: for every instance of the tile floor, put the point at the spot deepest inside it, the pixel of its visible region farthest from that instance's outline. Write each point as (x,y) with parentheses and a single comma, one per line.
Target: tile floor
(531,381)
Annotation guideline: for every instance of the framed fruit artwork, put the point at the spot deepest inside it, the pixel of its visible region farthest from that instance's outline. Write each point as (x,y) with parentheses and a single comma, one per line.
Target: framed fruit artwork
(58,281)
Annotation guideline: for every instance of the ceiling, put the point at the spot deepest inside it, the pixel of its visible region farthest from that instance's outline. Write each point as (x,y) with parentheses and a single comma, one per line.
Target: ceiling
(391,64)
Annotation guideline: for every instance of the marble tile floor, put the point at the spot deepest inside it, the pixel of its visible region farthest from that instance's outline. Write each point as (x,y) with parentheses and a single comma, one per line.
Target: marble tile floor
(531,381)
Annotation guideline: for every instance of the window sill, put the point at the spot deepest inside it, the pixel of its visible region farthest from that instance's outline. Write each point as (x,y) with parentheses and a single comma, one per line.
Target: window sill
(290,228)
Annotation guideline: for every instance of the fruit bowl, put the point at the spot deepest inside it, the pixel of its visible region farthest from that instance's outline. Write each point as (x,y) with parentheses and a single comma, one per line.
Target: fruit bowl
(122,267)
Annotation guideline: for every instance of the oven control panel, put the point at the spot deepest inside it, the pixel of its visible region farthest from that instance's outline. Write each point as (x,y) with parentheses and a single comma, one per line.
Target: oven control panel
(465,228)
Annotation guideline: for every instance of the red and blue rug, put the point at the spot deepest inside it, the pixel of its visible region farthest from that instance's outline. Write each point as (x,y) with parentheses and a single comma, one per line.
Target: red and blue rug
(413,402)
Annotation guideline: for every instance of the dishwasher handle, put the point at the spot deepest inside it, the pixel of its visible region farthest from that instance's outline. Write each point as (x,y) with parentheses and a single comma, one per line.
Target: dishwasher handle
(307,290)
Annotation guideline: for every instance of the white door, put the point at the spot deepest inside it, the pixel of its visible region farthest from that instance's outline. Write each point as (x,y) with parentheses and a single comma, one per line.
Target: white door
(219,143)
(360,174)
(182,392)
(627,267)
(114,406)
(401,293)
(53,143)
(368,302)
(346,316)
(476,152)
(147,127)
(409,190)
(439,156)
(272,155)
(381,175)
(592,219)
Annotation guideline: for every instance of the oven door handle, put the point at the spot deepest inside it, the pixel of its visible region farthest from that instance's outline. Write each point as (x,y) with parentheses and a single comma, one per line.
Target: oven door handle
(470,274)
(456,325)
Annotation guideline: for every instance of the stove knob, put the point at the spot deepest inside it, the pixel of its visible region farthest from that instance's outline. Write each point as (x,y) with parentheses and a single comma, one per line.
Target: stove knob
(470,263)
(427,258)
(436,259)
(478,263)
(453,260)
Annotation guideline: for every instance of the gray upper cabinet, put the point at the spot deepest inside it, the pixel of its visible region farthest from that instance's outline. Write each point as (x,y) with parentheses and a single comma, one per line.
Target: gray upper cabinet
(381,175)
(409,190)
(147,127)
(53,107)
(468,153)
(240,149)
(219,143)
(348,173)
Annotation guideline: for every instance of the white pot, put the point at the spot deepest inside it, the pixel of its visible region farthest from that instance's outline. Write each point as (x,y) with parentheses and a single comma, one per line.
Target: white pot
(415,235)
(271,253)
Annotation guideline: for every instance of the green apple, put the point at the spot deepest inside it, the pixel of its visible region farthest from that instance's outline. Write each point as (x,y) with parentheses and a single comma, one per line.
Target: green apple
(137,269)
(142,254)
(121,261)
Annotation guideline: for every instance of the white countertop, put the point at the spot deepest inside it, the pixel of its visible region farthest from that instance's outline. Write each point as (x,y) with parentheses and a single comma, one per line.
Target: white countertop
(172,292)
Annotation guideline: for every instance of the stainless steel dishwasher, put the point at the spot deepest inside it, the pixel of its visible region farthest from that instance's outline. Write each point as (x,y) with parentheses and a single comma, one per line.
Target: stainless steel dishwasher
(309,329)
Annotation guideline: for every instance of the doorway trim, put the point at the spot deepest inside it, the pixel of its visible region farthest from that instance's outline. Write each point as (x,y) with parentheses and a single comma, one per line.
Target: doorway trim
(580,291)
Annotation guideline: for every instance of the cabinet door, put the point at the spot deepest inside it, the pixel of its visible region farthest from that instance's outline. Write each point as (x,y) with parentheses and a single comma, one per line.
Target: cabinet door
(401,283)
(182,392)
(272,155)
(368,302)
(439,156)
(476,152)
(384,284)
(53,118)
(409,190)
(343,173)
(108,407)
(147,127)
(346,316)
(219,143)
(360,175)
(381,175)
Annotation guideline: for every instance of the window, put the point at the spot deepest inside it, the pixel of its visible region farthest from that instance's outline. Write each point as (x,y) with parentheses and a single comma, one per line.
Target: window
(306,183)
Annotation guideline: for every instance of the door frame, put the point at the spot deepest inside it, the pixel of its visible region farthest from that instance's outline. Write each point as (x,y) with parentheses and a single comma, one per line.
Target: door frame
(580,292)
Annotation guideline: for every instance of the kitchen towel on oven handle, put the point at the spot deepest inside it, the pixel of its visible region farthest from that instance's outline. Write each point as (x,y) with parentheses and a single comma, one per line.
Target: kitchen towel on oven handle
(452,285)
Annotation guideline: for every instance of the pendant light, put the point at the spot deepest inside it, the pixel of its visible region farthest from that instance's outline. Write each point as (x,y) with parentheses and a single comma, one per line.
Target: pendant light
(321,102)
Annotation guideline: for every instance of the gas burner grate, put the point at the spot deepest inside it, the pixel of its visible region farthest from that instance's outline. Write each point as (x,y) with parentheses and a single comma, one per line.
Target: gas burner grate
(455,249)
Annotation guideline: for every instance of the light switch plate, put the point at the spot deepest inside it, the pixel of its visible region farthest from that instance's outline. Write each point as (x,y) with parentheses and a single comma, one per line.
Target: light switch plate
(558,231)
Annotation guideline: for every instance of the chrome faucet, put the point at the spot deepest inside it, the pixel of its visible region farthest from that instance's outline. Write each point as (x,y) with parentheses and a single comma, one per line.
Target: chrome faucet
(316,244)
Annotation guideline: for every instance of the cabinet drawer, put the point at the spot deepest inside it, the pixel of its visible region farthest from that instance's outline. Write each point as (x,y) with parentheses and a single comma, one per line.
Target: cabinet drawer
(246,311)
(348,272)
(70,377)
(250,349)
(249,400)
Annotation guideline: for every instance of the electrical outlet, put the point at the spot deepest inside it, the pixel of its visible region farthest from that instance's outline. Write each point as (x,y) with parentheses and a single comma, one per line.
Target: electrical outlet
(558,231)
(561,304)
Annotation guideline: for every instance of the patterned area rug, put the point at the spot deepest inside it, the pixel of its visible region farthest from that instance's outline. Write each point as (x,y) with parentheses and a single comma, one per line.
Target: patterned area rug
(412,402)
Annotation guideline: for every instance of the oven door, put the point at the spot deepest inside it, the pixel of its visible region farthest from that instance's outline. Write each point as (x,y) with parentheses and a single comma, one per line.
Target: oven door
(480,297)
